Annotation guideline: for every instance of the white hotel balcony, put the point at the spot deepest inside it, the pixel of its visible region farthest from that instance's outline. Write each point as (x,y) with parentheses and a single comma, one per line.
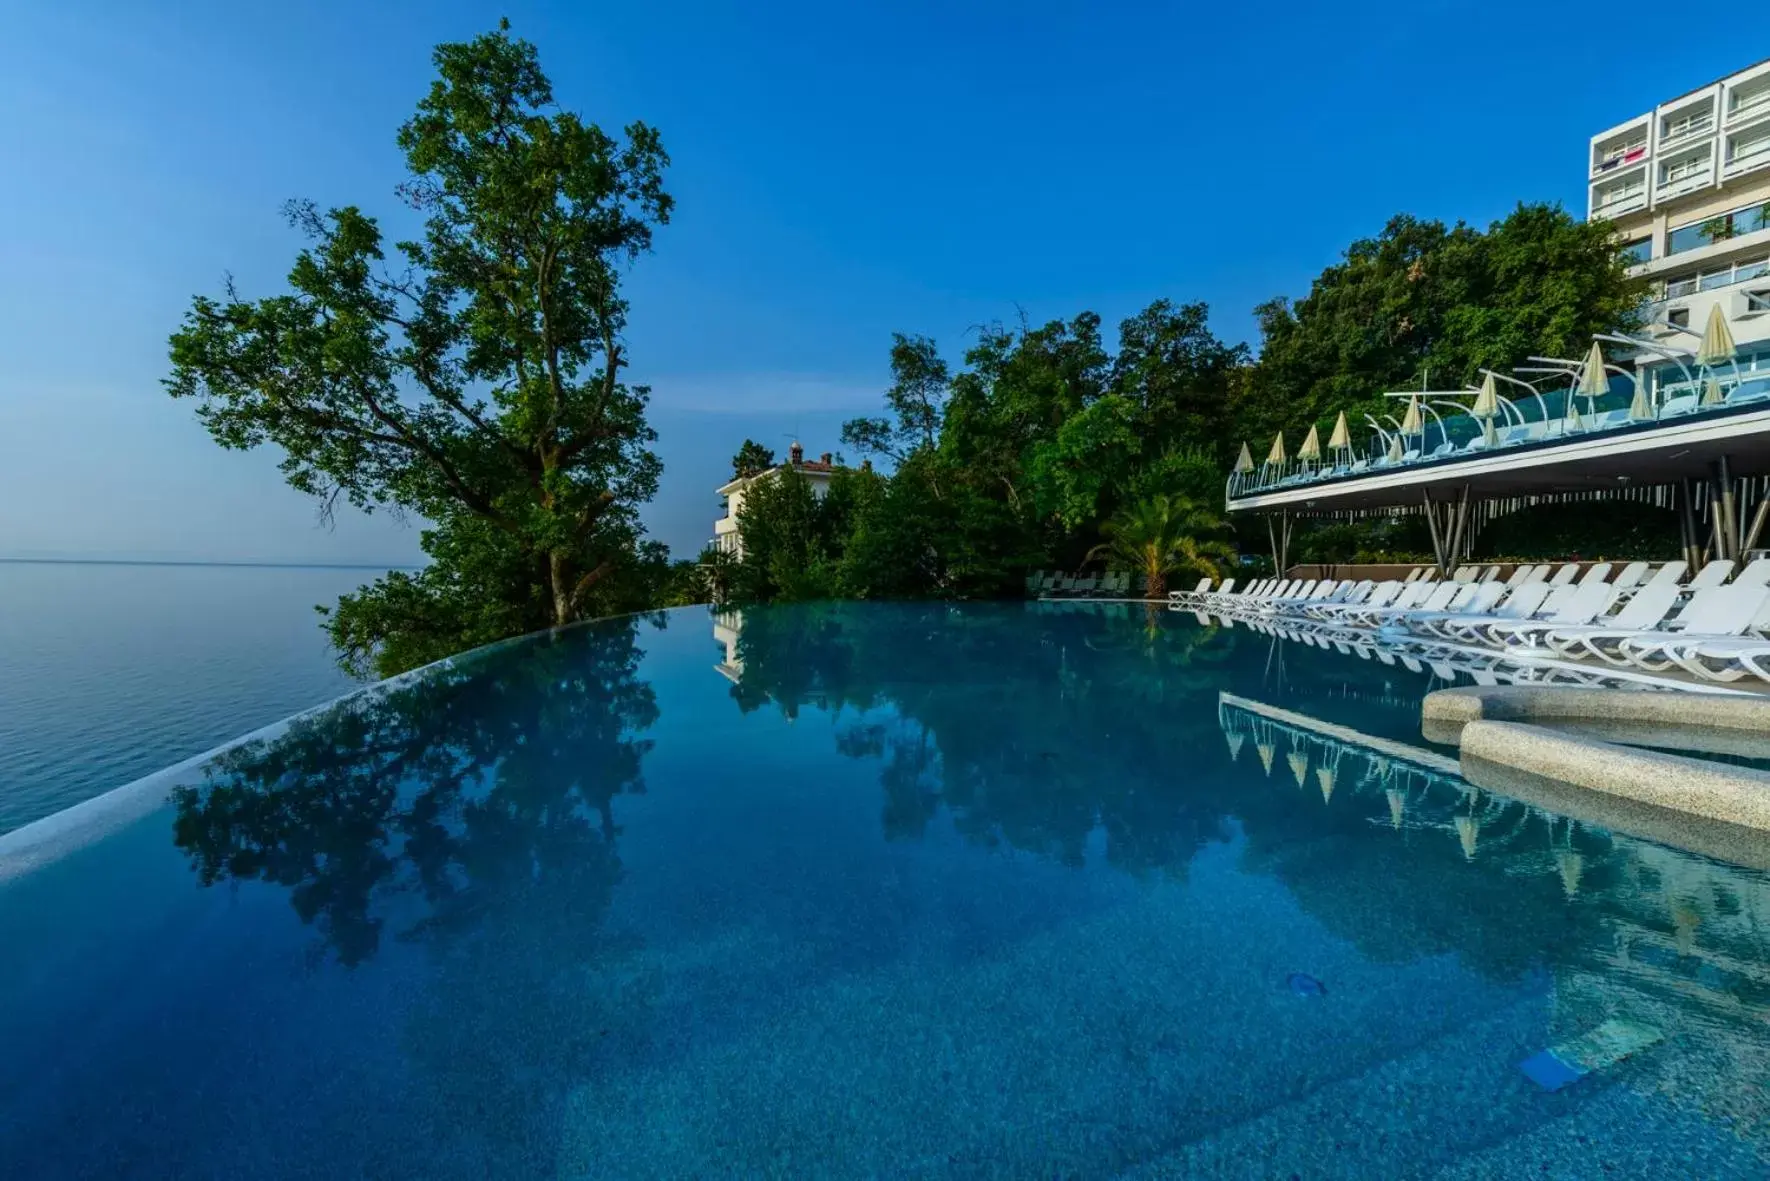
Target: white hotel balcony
(725,534)
(1682,151)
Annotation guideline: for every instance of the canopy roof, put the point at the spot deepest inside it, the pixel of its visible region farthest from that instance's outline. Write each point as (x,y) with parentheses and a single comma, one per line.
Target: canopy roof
(1642,454)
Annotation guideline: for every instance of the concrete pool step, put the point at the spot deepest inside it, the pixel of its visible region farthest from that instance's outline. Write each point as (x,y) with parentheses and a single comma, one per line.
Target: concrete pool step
(1615,1133)
(1457,1093)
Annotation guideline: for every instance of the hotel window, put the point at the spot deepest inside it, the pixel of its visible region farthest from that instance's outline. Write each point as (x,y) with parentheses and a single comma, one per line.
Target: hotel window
(1679,317)
(1638,251)
(1719,229)
(1685,238)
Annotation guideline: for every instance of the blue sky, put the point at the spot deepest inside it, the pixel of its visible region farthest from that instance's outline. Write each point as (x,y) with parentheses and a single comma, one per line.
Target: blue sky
(841,171)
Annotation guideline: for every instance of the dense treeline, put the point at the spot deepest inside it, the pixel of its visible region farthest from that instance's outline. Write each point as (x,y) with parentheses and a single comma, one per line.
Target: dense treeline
(1048,440)
(474,377)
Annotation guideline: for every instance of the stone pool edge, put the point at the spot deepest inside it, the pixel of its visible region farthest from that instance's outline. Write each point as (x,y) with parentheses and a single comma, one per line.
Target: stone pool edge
(1505,725)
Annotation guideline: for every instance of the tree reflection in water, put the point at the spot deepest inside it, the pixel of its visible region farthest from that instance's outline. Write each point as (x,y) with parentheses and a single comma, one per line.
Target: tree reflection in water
(996,714)
(472,788)
(1034,727)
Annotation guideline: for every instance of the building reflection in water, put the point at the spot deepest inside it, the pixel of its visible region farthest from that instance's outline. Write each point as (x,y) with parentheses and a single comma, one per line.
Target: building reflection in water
(1163,740)
(1663,936)
(727,626)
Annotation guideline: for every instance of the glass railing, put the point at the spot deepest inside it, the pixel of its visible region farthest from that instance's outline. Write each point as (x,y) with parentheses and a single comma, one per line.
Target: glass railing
(1720,277)
(1530,419)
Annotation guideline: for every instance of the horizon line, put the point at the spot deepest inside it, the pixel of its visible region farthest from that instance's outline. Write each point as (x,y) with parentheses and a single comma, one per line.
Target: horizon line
(289,565)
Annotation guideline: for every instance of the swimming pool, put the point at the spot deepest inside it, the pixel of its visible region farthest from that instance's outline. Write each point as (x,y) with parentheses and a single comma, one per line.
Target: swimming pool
(872,890)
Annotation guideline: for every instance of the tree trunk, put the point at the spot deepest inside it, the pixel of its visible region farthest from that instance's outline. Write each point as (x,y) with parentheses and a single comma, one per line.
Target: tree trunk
(1158,584)
(559,579)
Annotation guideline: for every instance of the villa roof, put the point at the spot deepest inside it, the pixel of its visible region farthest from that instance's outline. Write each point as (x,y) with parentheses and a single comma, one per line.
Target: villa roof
(812,467)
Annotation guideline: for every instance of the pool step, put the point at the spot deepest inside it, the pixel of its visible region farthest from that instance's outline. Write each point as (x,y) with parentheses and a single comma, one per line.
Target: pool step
(1456,1093)
(1616,1133)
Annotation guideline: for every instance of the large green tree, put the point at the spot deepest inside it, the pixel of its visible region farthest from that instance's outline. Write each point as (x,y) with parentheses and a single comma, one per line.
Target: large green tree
(475,379)
(752,459)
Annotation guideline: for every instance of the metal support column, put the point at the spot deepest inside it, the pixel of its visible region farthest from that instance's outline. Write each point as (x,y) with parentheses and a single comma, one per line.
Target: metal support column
(1729,508)
(1687,525)
(1753,534)
(1280,540)
(1432,528)
(1458,526)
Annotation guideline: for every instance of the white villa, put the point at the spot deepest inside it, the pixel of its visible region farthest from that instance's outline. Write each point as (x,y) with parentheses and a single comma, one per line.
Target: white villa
(725,529)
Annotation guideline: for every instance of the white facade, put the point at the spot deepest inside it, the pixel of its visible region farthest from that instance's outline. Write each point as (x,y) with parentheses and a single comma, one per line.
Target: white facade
(1687,185)
(725,529)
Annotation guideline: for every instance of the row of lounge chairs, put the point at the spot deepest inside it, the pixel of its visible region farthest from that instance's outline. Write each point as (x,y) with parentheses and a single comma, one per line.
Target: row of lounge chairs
(1055,585)
(1715,626)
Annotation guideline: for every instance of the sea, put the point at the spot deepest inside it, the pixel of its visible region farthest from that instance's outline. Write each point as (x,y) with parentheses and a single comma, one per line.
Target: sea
(110,671)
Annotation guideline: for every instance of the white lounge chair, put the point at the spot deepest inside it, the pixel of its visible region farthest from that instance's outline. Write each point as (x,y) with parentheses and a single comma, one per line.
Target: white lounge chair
(1589,601)
(1644,611)
(1523,602)
(1726,612)
(1199,591)
(1706,614)
(1478,605)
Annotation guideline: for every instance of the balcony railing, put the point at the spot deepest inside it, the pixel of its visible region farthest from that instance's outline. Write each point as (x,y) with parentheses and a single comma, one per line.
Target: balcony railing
(1612,198)
(1755,155)
(1727,276)
(1679,130)
(1751,104)
(1621,157)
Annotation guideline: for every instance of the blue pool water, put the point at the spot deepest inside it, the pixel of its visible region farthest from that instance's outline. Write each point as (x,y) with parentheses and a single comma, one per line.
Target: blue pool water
(873,890)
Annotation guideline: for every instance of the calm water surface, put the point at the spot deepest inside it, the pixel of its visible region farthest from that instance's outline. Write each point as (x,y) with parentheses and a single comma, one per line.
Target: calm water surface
(110,672)
(874,890)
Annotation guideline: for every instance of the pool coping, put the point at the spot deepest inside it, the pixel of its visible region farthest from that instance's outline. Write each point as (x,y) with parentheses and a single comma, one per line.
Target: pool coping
(54,836)
(1513,726)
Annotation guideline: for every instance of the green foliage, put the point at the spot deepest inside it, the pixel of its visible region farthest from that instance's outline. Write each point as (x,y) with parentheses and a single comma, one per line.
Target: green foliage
(1383,539)
(1165,535)
(477,381)
(1588,530)
(916,397)
(1092,454)
(1048,447)
(1422,303)
(751,459)
(787,534)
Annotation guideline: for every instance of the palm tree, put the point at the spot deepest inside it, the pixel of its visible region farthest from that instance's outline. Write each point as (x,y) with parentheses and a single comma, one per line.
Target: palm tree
(1161,536)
